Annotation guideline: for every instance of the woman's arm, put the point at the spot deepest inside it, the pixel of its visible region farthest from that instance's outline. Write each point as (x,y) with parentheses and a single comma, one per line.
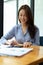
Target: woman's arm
(8,35)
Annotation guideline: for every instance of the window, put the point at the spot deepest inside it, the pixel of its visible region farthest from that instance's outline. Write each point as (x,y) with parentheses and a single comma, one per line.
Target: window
(9,15)
(38,15)
(22,2)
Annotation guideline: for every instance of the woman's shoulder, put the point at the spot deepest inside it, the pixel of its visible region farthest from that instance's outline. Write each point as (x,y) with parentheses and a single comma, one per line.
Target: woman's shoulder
(17,26)
(37,29)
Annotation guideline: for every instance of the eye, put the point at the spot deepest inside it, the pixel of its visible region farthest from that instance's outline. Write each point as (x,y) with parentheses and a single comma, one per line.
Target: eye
(20,14)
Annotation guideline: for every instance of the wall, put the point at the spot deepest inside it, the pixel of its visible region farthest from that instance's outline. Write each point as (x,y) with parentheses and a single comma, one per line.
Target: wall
(38,15)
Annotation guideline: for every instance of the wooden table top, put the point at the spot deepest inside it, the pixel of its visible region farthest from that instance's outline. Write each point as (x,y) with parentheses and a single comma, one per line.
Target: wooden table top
(31,58)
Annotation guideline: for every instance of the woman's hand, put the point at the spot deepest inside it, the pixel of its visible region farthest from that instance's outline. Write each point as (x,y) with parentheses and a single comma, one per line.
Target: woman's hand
(14,42)
(11,42)
(27,44)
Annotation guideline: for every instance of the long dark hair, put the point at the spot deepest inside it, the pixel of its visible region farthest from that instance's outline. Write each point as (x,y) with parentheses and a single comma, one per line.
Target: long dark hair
(30,21)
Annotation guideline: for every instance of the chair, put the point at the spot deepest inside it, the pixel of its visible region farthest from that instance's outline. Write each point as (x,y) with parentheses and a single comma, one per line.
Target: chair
(41,44)
(41,41)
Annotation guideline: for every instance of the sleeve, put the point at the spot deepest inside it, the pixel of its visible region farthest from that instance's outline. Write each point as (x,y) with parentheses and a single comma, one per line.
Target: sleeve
(37,38)
(8,35)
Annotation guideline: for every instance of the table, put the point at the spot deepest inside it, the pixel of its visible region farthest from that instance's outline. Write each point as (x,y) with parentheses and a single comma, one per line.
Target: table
(32,58)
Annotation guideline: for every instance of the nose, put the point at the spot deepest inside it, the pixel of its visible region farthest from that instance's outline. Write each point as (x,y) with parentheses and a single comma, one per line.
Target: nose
(22,17)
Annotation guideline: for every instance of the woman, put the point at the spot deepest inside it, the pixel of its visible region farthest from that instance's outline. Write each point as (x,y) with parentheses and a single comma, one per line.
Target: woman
(26,32)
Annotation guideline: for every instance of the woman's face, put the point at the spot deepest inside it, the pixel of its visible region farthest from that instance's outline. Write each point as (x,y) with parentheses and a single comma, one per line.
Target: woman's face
(22,17)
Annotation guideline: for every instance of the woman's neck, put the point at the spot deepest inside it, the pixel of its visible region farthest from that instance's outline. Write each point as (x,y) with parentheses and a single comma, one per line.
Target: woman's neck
(24,27)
